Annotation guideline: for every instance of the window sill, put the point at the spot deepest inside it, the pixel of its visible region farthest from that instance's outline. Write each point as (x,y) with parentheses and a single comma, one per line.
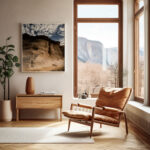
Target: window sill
(139,106)
(139,115)
(87,99)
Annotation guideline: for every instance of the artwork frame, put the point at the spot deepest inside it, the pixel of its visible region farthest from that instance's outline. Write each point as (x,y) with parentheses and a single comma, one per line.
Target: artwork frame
(43,47)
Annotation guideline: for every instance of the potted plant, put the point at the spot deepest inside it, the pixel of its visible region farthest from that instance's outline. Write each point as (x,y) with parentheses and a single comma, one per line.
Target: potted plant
(7,62)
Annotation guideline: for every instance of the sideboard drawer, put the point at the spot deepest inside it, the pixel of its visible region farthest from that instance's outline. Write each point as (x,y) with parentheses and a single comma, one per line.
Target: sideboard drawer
(39,102)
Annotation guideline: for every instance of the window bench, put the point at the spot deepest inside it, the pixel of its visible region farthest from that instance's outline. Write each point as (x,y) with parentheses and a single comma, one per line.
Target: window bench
(139,114)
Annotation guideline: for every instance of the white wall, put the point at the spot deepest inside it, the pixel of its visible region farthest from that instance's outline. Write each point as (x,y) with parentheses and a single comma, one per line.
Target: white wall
(15,12)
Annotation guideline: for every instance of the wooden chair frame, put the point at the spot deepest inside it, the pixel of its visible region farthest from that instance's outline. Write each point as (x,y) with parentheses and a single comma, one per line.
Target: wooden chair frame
(91,122)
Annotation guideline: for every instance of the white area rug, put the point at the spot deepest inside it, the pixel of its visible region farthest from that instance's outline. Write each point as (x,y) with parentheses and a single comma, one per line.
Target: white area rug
(44,135)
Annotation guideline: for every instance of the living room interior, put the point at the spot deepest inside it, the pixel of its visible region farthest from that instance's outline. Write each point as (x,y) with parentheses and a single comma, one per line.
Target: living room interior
(64,53)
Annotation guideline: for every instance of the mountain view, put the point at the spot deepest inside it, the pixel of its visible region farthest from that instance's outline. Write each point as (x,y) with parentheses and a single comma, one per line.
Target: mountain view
(94,52)
(97,66)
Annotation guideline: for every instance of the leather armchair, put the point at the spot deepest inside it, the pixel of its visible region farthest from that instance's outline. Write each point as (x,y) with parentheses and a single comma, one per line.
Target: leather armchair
(108,109)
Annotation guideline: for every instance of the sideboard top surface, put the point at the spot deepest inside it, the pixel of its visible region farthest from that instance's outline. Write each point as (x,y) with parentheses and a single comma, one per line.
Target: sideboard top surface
(38,95)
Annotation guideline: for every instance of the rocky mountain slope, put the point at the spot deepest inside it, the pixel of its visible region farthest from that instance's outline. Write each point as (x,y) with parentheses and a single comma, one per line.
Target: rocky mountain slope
(40,53)
(94,52)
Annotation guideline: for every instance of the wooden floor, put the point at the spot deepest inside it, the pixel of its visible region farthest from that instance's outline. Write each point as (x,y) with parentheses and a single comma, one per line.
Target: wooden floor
(135,140)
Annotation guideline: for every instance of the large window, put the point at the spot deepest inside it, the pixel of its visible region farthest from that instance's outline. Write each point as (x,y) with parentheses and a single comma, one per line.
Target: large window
(139,50)
(97,45)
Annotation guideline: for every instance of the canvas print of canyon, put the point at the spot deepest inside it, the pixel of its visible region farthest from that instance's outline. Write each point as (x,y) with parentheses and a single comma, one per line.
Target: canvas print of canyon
(43,47)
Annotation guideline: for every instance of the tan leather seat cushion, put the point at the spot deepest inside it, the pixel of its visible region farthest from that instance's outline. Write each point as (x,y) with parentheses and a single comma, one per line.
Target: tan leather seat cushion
(113,97)
(77,114)
(108,113)
(106,119)
(88,116)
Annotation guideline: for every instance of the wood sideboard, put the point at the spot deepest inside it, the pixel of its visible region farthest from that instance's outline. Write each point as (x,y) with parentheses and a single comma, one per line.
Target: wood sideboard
(38,101)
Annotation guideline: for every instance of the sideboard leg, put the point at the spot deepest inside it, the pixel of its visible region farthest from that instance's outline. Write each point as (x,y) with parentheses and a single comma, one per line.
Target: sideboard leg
(17,114)
(60,114)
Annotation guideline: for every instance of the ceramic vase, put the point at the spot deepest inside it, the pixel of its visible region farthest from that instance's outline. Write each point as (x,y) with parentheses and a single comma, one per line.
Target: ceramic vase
(30,85)
(5,110)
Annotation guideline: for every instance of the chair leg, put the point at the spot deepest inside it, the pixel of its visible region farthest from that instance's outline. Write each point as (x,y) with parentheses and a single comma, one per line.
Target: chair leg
(100,125)
(91,130)
(126,123)
(69,122)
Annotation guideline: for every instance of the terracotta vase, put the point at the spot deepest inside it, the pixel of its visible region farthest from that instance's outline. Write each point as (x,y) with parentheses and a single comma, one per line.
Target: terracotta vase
(30,85)
(5,110)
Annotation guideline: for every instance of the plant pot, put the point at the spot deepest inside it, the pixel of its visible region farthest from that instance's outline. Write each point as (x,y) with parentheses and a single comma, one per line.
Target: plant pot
(5,110)
(30,85)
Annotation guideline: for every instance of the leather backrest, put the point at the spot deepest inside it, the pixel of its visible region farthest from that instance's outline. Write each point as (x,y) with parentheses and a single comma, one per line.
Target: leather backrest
(113,97)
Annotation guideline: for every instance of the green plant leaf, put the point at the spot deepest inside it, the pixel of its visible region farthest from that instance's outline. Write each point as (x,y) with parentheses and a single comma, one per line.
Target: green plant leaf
(15,59)
(10,72)
(10,50)
(1,75)
(9,56)
(1,67)
(9,63)
(8,38)
(2,52)
(2,82)
(2,48)
(6,73)
(1,59)
(11,45)
(17,64)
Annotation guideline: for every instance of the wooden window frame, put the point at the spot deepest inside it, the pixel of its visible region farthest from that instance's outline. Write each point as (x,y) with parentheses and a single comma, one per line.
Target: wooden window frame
(149,55)
(118,20)
(137,13)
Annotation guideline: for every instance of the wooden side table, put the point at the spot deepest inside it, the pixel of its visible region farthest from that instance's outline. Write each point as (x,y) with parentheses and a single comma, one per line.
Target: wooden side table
(38,101)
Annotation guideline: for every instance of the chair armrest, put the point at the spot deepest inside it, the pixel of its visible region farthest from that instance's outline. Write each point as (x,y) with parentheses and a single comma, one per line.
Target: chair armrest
(80,105)
(115,110)
(85,106)
(71,107)
(98,108)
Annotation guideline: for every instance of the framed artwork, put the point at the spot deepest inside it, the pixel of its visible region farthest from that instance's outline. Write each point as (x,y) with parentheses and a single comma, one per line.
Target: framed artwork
(43,47)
